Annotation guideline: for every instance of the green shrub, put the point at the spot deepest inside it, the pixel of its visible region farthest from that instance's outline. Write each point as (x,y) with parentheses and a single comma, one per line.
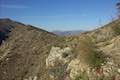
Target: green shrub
(95,58)
(90,53)
(116,29)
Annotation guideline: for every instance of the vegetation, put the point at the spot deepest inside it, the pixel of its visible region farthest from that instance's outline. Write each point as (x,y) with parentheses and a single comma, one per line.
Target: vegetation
(25,51)
(82,76)
(58,71)
(116,29)
(90,53)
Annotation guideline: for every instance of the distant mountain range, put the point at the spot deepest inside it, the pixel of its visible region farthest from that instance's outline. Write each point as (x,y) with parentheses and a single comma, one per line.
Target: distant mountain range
(67,33)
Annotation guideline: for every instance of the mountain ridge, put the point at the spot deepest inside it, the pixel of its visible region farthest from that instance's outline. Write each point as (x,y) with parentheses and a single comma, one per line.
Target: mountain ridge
(67,33)
(24,51)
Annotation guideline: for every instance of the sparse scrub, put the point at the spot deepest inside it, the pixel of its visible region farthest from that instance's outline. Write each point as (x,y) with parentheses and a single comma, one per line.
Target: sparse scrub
(82,76)
(58,71)
(90,53)
(116,28)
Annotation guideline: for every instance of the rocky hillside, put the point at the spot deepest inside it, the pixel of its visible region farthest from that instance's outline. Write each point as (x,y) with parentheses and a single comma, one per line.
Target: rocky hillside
(29,53)
(107,38)
(24,50)
(93,55)
(106,32)
(4,29)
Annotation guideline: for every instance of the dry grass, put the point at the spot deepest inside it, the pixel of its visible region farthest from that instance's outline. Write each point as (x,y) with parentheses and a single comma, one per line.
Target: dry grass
(89,53)
(25,51)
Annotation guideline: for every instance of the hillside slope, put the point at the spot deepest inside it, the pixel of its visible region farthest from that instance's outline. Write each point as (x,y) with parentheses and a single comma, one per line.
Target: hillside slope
(107,38)
(93,55)
(29,53)
(23,53)
(106,32)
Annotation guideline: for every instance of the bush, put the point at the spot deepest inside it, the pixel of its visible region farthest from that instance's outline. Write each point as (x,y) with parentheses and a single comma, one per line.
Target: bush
(90,53)
(116,29)
(95,59)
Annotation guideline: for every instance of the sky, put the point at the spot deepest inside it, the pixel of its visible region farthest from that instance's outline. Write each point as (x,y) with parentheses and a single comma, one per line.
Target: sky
(60,14)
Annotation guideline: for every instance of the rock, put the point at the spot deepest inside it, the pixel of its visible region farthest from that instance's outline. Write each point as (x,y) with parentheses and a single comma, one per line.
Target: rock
(35,78)
(118,70)
(75,67)
(31,78)
(56,53)
(57,62)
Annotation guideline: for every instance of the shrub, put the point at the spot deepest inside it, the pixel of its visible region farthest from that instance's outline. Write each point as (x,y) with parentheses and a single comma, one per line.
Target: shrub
(116,29)
(90,53)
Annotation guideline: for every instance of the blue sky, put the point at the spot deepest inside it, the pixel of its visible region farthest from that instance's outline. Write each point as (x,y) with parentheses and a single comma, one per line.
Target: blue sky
(59,14)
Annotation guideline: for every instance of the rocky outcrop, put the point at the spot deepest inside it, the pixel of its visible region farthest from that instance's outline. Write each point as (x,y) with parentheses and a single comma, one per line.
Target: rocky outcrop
(56,53)
(76,67)
(70,68)
(57,62)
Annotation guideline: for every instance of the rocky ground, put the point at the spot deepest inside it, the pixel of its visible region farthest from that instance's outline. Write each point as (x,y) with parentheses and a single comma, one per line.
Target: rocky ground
(30,53)
(93,55)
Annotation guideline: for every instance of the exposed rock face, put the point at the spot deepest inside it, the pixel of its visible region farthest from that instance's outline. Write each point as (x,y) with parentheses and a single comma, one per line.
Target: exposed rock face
(56,53)
(80,70)
(70,68)
(75,67)
(57,62)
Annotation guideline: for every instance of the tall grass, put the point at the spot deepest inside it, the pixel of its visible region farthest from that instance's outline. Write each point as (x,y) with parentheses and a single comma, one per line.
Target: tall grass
(88,52)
